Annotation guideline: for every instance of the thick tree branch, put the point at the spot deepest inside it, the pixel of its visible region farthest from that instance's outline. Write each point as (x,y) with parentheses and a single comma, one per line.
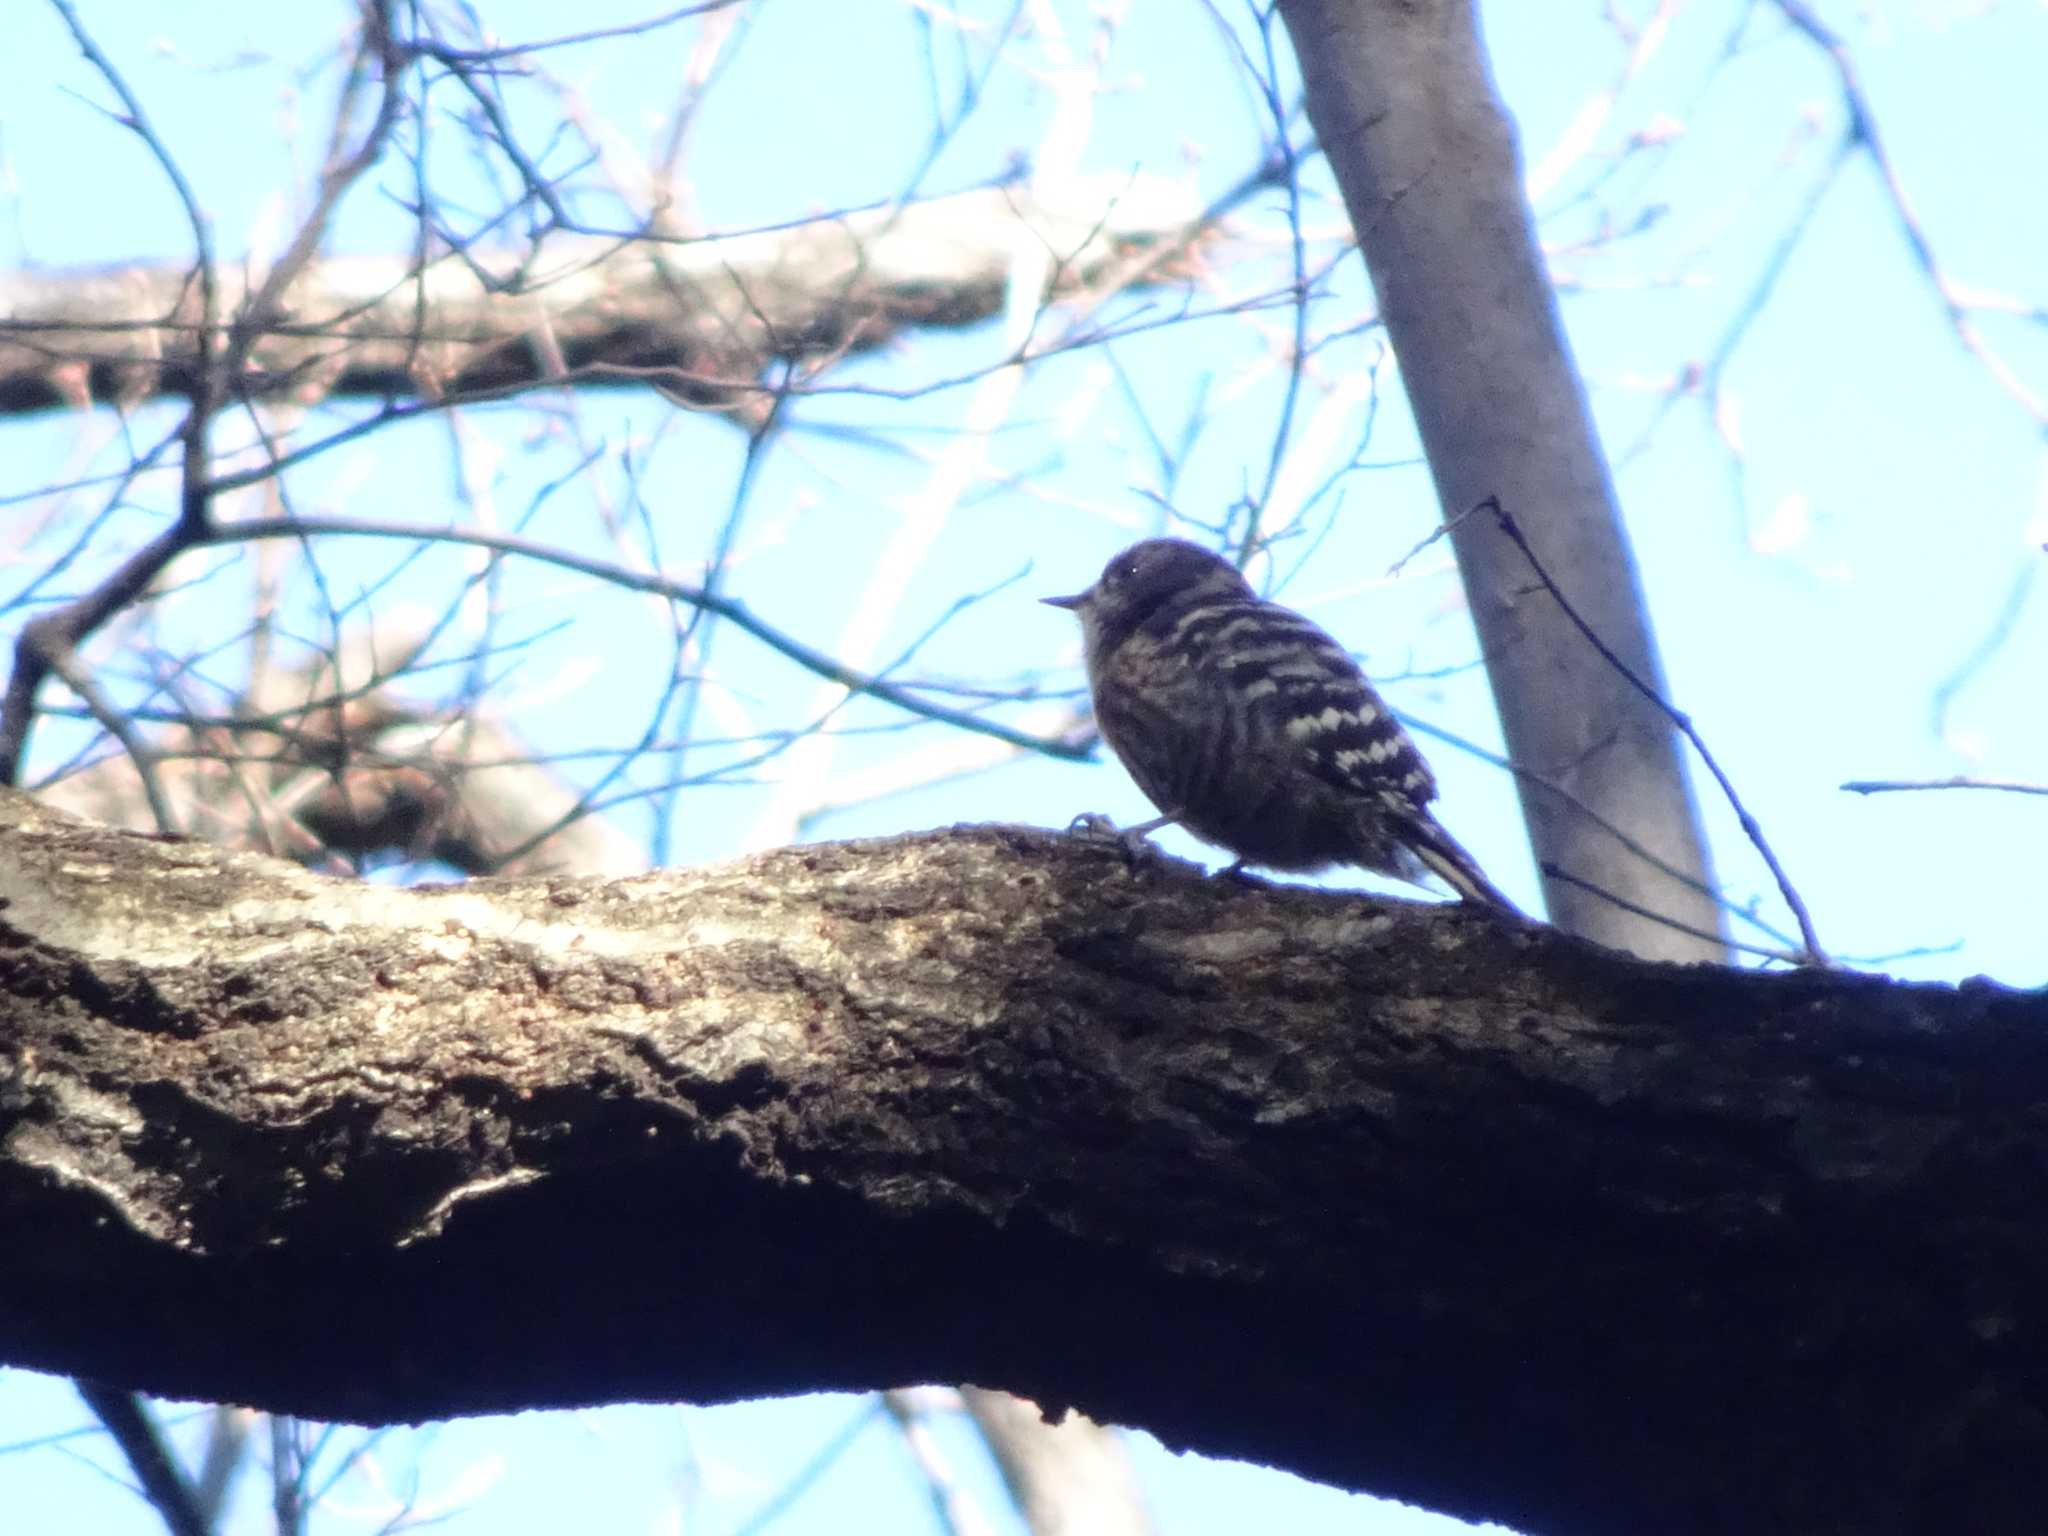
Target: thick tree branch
(1476,1215)
(702,318)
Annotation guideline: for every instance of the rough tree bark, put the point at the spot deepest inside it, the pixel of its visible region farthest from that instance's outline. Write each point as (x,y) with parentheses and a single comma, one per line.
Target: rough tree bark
(335,762)
(1476,1215)
(1425,154)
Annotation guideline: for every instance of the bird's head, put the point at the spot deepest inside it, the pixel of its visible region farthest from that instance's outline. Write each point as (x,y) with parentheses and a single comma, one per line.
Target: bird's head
(1144,578)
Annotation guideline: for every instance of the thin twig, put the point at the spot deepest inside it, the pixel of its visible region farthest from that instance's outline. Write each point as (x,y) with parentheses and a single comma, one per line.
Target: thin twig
(138,122)
(1862,134)
(46,640)
(1298,347)
(729,609)
(1635,846)
(1551,871)
(1954,781)
(1750,827)
(1989,644)
(336,178)
(51,641)
(1442,530)
(462,56)
(79,680)
(808,1474)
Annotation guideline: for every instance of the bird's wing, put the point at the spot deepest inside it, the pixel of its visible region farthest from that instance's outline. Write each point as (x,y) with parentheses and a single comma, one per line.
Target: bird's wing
(1302,690)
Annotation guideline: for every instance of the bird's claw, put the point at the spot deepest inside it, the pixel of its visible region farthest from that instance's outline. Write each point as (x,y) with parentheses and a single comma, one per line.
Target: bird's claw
(1137,846)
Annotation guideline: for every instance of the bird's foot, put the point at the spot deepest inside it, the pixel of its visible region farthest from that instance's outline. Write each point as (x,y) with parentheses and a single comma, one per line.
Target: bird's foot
(1137,846)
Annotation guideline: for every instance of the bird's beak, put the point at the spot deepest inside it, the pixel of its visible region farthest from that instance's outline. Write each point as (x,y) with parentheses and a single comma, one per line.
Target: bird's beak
(1066,602)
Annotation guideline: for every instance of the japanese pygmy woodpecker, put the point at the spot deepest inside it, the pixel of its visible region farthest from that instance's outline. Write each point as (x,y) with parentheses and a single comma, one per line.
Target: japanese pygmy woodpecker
(1245,723)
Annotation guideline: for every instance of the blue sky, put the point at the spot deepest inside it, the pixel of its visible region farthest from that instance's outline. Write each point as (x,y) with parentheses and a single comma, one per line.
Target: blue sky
(1818,603)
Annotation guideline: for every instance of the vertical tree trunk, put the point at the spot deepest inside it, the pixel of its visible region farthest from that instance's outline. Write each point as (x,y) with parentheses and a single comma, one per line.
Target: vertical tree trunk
(1400,96)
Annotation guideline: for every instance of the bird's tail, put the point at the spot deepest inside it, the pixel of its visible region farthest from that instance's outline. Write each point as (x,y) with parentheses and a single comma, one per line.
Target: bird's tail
(1442,855)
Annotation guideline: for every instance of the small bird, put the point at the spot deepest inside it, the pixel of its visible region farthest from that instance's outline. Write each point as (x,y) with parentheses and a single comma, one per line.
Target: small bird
(1248,725)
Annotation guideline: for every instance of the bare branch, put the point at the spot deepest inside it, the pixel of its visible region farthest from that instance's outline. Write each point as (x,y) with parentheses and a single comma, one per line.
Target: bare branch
(1954,781)
(128,1420)
(1750,827)
(707,315)
(729,609)
(1861,134)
